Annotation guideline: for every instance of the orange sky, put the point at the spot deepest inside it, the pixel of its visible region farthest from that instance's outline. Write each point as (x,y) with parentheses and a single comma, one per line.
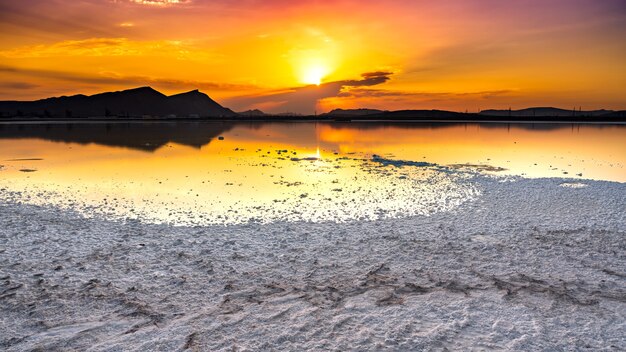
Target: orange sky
(397,54)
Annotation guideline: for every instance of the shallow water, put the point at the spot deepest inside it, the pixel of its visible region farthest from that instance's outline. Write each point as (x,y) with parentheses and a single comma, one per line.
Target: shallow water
(227,172)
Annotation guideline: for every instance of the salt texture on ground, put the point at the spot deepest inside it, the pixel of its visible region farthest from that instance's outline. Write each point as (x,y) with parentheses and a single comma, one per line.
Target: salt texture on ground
(528,265)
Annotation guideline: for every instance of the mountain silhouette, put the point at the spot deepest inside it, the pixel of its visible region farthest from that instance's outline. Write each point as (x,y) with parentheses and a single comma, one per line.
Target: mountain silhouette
(147,102)
(429,114)
(528,115)
(620,113)
(545,112)
(353,112)
(255,112)
(127,103)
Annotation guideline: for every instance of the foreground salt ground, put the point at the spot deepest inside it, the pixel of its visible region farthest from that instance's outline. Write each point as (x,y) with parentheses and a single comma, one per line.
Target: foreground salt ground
(530,265)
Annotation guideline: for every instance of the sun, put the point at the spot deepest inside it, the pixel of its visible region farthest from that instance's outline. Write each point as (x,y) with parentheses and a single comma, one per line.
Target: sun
(313,74)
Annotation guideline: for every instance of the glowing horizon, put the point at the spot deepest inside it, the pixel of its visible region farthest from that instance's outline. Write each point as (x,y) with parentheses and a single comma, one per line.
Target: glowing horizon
(284,56)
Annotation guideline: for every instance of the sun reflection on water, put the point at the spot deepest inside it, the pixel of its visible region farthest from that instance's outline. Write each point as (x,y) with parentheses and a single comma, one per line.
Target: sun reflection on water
(275,172)
(230,185)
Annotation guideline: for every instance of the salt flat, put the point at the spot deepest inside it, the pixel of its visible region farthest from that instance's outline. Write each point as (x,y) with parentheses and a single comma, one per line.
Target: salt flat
(530,264)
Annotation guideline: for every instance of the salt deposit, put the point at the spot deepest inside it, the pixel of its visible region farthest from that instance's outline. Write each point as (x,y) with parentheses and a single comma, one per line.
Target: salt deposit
(526,264)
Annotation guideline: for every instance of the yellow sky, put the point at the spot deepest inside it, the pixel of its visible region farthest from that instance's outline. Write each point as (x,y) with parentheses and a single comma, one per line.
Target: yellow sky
(450,54)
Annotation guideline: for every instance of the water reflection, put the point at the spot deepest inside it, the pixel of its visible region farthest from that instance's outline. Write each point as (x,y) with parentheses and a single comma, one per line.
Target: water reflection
(532,150)
(140,136)
(221,173)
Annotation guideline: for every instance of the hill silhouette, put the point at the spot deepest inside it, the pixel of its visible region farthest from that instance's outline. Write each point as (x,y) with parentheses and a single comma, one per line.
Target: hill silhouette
(352,112)
(525,115)
(127,103)
(255,112)
(146,102)
(545,112)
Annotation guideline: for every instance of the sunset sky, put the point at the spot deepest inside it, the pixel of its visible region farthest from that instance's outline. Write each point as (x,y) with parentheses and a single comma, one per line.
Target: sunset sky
(272,54)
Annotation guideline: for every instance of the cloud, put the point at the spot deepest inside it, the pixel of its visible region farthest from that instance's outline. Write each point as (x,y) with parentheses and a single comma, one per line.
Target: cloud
(430,96)
(88,47)
(105,47)
(363,97)
(111,79)
(304,99)
(363,93)
(18,85)
(161,3)
(54,19)
(56,75)
(369,79)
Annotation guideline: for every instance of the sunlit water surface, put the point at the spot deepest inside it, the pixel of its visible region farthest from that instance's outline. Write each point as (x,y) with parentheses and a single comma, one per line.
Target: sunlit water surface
(229,173)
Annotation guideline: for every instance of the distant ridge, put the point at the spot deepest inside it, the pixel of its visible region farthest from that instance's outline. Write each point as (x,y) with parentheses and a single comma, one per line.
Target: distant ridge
(353,112)
(620,113)
(249,113)
(525,115)
(137,102)
(545,112)
(431,114)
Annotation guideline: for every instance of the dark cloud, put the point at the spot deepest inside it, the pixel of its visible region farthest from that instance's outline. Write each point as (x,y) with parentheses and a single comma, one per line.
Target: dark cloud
(376,74)
(430,96)
(304,99)
(369,79)
(18,85)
